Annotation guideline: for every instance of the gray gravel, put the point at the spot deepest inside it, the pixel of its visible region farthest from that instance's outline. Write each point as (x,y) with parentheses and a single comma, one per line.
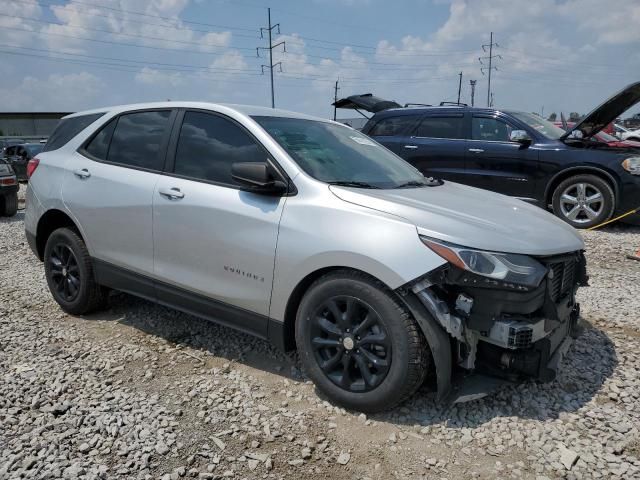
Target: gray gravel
(142,391)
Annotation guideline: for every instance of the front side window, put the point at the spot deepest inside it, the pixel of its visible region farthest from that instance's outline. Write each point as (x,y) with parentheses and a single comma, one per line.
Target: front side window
(391,126)
(137,138)
(335,154)
(209,144)
(490,129)
(441,127)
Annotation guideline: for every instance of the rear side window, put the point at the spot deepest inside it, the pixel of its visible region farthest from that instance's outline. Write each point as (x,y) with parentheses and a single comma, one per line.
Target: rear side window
(391,126)
(209,144)
(98,147)
(441,127)
(69,128)
(137,138)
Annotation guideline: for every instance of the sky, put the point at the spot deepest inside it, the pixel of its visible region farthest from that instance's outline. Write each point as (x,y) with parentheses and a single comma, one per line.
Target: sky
(555,55)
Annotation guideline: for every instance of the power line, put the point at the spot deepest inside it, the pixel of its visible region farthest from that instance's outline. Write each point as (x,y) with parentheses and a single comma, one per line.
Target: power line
(131,12)
(271,46)
(491,56)
(110,32)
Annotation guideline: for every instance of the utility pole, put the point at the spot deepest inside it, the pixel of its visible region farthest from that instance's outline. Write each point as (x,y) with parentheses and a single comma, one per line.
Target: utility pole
(271,46)
(459,87)
(335,99)
(473,91)
(491,56)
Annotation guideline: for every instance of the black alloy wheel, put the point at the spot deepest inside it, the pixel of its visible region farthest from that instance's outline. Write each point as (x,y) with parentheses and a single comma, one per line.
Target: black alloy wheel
(64,272)
(350,343)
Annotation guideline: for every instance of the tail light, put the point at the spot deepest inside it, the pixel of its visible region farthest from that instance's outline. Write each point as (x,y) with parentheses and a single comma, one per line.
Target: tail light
(8,181)
(31,166)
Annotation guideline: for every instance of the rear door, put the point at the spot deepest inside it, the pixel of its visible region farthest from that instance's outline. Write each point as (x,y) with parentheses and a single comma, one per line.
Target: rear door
(394,132)
(214,242)
(109,185)
(495,163)
(437,146)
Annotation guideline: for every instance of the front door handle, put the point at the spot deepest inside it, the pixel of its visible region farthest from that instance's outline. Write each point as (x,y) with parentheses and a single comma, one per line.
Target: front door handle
(171,193)
(410,147)
(476,150)
(82,173)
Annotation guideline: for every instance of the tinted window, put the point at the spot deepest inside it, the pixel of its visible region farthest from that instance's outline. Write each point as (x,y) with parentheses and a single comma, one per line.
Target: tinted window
(137,137)
(99,145)
(393,126)
(69,128)
(490,129)
(34,149)
(209,144)
(440,127)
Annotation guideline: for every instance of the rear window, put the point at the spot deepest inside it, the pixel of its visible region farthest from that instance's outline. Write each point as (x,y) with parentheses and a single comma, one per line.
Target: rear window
(69,128)
(391,126)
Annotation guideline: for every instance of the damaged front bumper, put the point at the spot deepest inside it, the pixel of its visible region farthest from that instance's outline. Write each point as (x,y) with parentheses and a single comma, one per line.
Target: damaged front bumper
(501,331)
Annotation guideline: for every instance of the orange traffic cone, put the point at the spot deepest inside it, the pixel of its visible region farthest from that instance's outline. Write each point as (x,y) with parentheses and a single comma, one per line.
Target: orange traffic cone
(635,256)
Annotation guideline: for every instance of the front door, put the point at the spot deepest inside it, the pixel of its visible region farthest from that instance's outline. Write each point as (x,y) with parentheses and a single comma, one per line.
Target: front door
(495,163)
(213,241)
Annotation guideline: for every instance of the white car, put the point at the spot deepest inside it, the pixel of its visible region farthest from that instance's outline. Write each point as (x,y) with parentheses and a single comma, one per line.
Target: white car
(626,134)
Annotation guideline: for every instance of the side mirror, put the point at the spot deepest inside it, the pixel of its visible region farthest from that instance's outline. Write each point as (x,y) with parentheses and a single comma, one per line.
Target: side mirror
(520,136)
(257,178)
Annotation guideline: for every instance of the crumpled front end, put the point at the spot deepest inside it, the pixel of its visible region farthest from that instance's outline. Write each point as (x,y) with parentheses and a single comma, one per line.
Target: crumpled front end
(505,330)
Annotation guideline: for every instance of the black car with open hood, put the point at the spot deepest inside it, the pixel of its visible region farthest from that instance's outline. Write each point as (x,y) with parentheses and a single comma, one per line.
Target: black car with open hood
(367,102)
(582,180)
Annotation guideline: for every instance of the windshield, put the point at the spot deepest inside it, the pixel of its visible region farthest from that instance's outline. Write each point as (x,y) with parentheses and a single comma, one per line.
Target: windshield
(336,154)
(540,125)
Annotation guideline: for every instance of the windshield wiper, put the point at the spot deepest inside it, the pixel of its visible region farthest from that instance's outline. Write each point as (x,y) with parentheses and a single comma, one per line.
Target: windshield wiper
(428,182)
(348,183)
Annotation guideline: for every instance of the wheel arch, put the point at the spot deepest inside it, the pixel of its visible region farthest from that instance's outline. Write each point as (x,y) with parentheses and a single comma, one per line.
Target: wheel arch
(50,221)
(578,170)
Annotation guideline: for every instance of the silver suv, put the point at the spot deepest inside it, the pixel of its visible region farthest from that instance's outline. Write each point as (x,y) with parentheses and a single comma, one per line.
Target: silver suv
(310,234)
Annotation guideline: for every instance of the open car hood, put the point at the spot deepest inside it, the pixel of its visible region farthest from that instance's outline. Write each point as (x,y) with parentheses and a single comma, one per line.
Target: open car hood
(607,112)
(366,102)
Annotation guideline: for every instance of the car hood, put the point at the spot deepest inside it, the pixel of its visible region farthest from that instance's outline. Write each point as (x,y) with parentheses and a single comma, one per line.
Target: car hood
(472,217)
(366,102)
(607,112)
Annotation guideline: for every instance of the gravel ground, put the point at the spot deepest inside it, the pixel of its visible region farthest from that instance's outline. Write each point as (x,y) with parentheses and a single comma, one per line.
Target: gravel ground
(145,392)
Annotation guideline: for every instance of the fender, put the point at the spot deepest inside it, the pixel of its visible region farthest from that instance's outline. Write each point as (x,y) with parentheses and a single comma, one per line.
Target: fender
(614,182)
(438,340)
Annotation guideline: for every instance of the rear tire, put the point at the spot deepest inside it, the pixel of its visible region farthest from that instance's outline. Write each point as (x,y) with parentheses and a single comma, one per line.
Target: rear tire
(10,205)
(584,201)
(69,273)
(357,343)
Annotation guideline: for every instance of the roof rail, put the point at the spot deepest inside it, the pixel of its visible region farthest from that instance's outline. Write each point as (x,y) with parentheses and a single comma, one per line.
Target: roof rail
(453,104)
(417,105)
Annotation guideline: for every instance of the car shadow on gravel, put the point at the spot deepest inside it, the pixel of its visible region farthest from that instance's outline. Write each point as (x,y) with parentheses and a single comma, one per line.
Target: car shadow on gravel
(18,217)
(207,338)
(589,362)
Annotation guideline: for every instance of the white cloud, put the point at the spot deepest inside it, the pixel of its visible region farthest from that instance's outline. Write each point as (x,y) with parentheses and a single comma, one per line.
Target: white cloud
(150,76)
(56,92)
(14,30)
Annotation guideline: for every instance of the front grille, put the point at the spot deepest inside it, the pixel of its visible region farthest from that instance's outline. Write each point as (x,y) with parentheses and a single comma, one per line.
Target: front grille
(520,337)
(562,278)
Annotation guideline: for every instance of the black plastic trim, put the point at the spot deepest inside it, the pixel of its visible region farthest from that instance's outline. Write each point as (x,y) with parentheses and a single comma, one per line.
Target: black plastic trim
(171,296)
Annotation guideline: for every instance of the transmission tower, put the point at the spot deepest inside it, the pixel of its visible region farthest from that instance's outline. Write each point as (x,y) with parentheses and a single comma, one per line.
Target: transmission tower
(271,46)
(491,67)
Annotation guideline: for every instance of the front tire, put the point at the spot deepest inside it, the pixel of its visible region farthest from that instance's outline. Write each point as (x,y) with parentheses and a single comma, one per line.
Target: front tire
(69,272)
(584,201)
(357,343)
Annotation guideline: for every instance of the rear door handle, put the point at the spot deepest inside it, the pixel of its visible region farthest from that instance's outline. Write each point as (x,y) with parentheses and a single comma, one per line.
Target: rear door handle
(476,150)
(173,193)
(410,147)
(82,173)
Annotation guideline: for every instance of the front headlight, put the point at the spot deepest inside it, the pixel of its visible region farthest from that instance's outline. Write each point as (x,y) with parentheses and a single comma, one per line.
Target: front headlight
(632,165)
(508,267)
